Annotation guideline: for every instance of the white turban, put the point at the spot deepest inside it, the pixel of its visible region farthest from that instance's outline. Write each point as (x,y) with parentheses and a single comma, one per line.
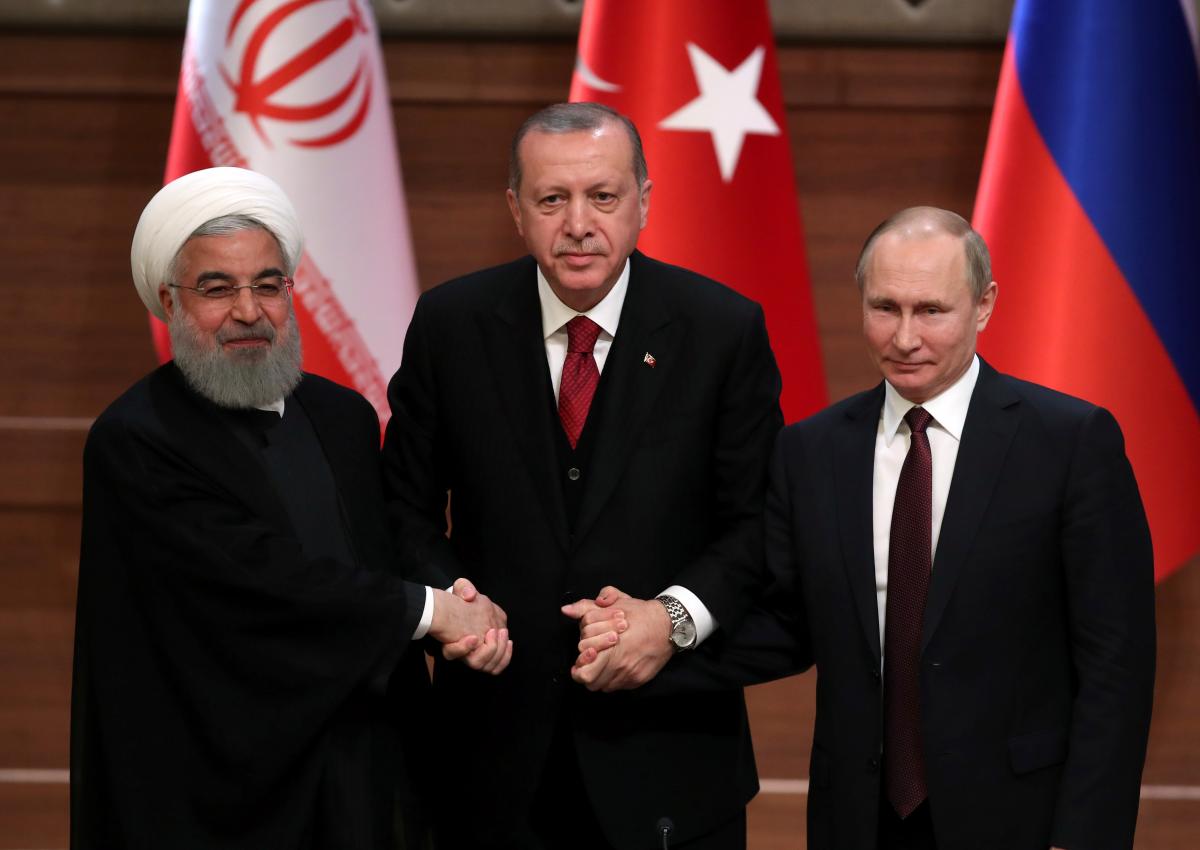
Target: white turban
(194,199)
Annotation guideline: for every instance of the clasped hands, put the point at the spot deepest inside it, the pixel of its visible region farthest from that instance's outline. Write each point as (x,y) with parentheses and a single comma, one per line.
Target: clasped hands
(623,644)
(624,641)
(471,627)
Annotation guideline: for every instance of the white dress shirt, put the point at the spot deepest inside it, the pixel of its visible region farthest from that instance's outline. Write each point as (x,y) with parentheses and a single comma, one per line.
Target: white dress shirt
(949,412)
(606,314)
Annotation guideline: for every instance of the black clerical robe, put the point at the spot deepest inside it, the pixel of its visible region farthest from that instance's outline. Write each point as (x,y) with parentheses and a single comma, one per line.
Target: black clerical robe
(231,686)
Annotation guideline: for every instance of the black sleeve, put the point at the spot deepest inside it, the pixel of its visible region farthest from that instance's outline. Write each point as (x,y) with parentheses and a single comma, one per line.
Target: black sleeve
(1109,568)
(729,574)
(414,480)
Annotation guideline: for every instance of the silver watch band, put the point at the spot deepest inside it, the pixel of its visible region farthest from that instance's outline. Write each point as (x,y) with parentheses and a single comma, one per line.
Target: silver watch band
(675,610)
(683,629)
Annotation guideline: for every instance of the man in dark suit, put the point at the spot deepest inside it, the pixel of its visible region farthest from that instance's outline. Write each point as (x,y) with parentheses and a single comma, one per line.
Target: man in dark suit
(971,569)
(240,667)
(598,419)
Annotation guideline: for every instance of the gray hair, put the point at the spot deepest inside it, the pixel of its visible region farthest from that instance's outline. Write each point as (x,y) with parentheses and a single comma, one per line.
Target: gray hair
(574,118)
(227,225)
(242,379)
(975,250)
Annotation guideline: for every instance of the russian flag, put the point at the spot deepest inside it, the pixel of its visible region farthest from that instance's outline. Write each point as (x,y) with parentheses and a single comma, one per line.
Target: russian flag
(1090,202)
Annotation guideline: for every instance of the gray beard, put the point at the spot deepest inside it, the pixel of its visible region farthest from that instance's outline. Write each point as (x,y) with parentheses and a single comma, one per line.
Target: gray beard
(237,379)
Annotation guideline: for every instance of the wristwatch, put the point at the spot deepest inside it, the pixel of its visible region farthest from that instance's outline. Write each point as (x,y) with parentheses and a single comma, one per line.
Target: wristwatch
(683,630)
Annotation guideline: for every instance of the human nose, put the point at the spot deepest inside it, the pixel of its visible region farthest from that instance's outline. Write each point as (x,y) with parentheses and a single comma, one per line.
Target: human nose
(245,307)
(907,336)
(578,221)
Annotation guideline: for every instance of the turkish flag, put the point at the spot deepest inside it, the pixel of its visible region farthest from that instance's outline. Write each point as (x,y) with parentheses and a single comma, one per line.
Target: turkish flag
(296,90)
(699,80)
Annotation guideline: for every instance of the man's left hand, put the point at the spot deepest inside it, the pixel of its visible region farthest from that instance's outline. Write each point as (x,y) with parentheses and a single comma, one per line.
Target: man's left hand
(643,649)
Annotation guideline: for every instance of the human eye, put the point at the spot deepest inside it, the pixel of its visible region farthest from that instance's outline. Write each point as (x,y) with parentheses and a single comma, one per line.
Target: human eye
(553,200)
(605,197)
(270,287)
(217,290)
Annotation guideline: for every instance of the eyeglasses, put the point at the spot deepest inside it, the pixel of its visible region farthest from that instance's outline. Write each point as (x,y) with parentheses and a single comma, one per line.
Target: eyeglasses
(268,289)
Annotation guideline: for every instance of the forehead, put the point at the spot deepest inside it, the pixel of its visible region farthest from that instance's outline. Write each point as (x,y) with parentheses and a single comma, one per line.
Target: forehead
(244,251)
(605,152)
(921,264)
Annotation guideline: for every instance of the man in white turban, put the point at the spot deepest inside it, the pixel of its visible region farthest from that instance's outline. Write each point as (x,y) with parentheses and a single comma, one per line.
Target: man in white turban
(241,675)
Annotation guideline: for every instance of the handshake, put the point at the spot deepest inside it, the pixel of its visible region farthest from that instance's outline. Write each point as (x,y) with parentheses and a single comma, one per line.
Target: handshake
(623,643)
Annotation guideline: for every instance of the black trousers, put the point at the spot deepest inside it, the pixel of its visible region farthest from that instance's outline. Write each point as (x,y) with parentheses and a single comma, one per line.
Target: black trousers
(562,818)
(914,832)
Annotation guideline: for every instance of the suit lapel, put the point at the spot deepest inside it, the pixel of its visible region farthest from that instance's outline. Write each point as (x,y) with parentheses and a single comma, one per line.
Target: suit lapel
(992,420)
(517,356)
(854,464)
(630,387)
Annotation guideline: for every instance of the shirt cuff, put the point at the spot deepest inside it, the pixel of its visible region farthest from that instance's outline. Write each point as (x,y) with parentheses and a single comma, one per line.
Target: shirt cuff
(702,618)
(427,615)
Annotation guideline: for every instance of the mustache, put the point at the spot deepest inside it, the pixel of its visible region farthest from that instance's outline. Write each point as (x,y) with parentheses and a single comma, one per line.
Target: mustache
(585,246)
(261,329)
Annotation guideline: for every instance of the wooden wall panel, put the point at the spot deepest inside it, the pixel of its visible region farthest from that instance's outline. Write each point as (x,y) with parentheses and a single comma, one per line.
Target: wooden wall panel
(85,121)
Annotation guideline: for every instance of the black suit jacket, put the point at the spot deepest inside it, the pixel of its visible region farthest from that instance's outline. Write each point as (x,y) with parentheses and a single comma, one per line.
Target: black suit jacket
(672,494)
(1037,657)
(229,690)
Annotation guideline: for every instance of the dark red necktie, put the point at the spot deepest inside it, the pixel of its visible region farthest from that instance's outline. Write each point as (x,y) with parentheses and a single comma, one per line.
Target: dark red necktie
(909,567)
(579,376)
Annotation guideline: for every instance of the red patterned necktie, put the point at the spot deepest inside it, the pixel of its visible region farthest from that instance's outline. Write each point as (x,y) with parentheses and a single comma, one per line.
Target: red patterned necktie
(909,567)
(579,376)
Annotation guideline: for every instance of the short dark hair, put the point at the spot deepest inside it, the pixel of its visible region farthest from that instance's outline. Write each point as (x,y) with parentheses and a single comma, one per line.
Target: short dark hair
(574,118)
(975,250)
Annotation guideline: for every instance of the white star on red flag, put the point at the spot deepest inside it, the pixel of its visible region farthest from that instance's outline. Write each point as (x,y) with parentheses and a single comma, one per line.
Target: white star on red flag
(727,207)
(728,106)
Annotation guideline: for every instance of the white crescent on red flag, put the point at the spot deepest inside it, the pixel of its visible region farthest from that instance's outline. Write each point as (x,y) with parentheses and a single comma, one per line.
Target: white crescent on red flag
(296,90)
(700,81)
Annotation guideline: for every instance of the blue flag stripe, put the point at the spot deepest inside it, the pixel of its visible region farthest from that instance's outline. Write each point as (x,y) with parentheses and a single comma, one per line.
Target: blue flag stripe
(1114,90)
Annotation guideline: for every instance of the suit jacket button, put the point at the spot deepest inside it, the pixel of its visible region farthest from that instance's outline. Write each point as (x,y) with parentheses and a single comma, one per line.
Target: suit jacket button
(875,676)
(573,473)
(872,764)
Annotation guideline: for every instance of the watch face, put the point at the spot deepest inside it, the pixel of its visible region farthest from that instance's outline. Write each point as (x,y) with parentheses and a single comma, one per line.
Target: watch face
(684,634)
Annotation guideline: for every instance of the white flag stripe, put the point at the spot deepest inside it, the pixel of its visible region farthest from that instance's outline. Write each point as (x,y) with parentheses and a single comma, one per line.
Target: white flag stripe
(299,92)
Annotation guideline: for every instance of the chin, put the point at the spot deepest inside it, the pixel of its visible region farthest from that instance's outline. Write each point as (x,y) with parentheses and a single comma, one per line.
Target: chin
(905,384)
(576,281)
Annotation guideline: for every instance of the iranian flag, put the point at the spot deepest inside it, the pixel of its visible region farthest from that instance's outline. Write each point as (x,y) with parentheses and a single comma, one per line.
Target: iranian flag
(699,79)
(296,90)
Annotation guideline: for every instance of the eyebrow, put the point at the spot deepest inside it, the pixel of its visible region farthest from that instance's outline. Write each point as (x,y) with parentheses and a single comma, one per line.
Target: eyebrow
(204,277)
(880,300)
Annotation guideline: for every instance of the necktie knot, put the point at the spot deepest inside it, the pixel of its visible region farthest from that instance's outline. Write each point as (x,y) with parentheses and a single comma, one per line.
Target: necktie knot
(581,335)
(918,419)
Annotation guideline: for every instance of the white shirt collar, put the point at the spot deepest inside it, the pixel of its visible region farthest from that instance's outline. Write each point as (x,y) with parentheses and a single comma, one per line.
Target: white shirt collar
(606,314)
(948,408)
(274,407)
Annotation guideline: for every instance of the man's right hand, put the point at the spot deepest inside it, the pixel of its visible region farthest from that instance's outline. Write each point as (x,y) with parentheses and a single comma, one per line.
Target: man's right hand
(471,627)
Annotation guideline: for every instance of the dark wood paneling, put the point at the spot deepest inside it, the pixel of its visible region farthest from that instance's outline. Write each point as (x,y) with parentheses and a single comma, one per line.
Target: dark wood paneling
(1174,755)
(41,468)
(34,815)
